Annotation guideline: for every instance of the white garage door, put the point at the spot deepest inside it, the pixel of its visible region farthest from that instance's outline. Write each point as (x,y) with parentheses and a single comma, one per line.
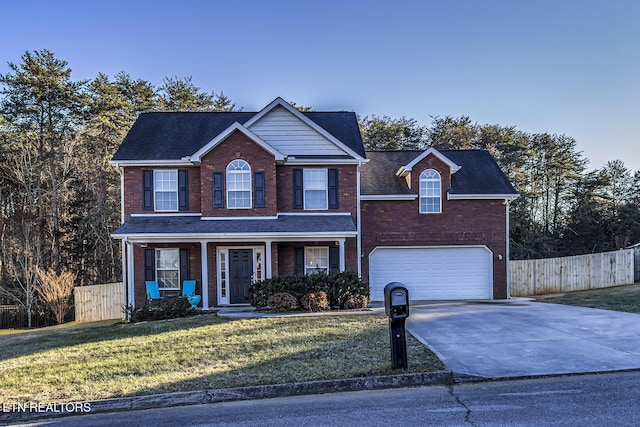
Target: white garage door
(433,273)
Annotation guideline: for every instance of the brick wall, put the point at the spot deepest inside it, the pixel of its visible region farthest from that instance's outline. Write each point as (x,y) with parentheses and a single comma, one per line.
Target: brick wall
(133,189)
(238,146)
(195,268)
(462,222)
(347,178)
(286,254)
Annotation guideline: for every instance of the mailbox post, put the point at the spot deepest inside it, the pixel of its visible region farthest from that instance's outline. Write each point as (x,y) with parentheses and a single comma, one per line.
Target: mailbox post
(396,307)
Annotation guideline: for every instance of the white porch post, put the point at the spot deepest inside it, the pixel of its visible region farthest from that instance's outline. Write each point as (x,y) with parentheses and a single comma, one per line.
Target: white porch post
(205,275)
(341,251)
(267,259)
(130,276)
(125,279)
(507,255)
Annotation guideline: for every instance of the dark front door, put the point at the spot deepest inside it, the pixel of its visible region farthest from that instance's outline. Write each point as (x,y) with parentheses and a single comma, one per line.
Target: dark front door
(241,271)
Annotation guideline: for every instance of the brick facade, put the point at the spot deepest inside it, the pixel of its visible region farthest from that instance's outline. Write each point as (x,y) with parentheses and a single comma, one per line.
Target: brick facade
(383,222)
(133,188)
(462,222)
(238,146)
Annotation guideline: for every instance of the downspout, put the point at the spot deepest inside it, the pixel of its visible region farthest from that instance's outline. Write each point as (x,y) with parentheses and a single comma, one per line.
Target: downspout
(358,223)
(123,248)
(507,202)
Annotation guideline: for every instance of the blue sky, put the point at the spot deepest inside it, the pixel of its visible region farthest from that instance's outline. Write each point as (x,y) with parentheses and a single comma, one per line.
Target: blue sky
(565,67)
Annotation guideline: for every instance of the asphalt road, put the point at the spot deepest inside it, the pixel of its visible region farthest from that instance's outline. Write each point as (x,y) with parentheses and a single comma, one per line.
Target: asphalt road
(607,399)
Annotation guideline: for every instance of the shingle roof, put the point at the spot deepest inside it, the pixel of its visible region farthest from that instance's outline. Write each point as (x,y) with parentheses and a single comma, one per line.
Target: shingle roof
(172,136)
(479,173)
(172,225)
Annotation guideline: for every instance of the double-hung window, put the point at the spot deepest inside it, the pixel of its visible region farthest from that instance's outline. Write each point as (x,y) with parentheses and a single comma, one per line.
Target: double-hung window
(315,189)
(430,192)
(316,260)
(165,188)
(238,185)
(168,268)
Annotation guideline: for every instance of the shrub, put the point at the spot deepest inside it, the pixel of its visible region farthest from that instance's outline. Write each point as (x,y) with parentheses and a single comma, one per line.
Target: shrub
(168,308)
(338,286)
(357,301)
(56,291)
(315,301)
(282,301)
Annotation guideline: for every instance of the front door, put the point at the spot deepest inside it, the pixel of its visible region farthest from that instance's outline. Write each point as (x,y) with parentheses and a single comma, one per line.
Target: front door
(240,275)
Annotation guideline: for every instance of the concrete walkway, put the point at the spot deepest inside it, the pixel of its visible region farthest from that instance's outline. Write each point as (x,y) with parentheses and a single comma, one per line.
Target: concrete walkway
(520,338)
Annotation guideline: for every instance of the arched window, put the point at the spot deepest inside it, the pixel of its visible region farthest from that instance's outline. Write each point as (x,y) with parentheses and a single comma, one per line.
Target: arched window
(430,192)
(238,185)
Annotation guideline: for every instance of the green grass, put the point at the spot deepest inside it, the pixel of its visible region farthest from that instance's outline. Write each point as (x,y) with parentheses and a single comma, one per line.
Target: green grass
(619,298)
(79,362)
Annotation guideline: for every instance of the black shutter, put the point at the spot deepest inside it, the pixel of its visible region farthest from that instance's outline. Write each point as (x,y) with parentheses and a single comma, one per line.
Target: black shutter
(258,195)
(218,190)
(185,272)
(298,200)
(334,259)
(147,190)
(333,188)
(149,264)
(183,190)
(299,261)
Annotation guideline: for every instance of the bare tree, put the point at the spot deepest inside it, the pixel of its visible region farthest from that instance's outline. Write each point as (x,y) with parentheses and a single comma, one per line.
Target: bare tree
(55,290)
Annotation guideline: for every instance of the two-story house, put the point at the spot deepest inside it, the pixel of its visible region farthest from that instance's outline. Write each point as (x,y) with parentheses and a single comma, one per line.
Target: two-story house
(229,198)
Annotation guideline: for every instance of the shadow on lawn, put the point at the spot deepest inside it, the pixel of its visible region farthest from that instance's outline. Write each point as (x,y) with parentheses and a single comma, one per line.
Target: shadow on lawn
(27,342)
(366,353)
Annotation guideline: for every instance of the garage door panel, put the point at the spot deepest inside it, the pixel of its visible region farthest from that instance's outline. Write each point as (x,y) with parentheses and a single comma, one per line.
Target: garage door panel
(433,273)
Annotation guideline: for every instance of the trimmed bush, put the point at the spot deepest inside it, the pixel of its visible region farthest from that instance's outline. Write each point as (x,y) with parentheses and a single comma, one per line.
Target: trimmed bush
(315,301)
(282,301)
(168,308)
(343,289)
(358,301)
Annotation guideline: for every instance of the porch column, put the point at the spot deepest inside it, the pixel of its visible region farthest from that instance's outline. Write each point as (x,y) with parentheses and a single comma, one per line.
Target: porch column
(131,296)
(125,279)
(341,251)
(205,275)
(267,259)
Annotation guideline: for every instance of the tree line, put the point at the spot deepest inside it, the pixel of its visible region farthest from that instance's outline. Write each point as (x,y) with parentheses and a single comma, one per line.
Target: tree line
(60,197)
(563,209)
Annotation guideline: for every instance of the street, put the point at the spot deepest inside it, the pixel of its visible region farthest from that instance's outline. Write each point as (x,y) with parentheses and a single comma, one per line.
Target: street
(605,399)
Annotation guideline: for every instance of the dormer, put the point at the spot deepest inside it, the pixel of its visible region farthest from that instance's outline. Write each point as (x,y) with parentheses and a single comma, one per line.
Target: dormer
(405,171)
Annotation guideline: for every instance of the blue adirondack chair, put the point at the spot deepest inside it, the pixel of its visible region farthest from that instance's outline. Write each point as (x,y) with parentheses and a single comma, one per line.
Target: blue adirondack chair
(189,291)
(153,291)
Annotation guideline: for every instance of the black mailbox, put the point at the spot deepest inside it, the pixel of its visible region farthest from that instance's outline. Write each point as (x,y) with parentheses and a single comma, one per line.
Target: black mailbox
(396,301)
(396,306)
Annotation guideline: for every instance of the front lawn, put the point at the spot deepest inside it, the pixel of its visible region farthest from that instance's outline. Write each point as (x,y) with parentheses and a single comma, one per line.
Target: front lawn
(82,362)
(619,298)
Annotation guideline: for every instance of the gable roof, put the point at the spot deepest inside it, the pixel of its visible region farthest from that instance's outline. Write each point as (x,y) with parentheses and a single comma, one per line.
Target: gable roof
(197,156)
(405,169)
(479,174)
(171,136)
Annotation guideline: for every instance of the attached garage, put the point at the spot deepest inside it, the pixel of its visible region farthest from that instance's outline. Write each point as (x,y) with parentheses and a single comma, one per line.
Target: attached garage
(433,273)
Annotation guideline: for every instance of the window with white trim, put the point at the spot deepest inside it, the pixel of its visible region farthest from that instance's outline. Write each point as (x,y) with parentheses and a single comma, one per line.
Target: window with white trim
(315,189)
(316,259)
(168,268)
(430,192)
(165,188)
(238,185)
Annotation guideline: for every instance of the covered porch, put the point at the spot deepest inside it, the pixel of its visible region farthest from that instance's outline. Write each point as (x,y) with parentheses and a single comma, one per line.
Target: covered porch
(225,256)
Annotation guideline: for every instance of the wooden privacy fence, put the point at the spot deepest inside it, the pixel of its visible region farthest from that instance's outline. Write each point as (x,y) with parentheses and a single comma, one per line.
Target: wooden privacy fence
(98,302)
(574,273)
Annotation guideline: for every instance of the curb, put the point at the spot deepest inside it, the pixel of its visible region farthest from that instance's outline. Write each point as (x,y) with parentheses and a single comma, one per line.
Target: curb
(243,393)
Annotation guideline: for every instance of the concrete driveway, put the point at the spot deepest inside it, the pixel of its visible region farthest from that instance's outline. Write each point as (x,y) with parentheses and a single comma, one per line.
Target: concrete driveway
(523,338)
